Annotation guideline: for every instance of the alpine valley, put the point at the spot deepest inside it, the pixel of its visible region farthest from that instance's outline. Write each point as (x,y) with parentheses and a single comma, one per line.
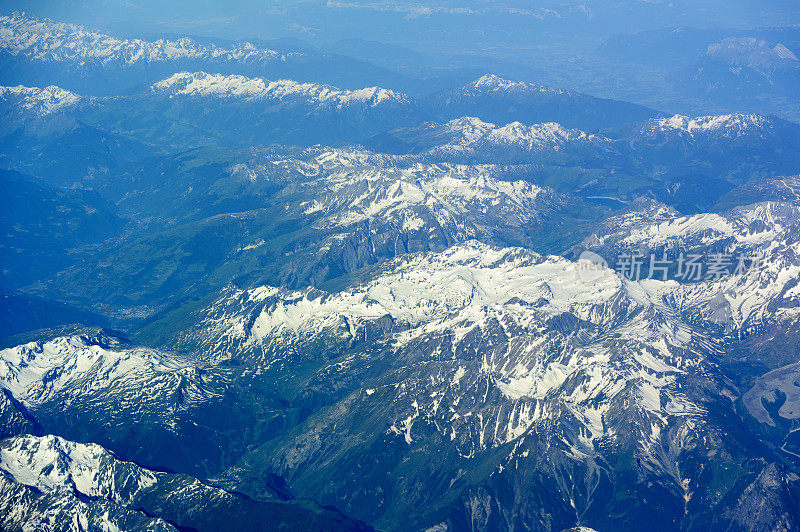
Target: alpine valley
(244,288)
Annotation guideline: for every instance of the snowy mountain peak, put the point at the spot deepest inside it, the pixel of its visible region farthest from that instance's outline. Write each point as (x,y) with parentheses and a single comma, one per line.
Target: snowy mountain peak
(469,127)
(463,200)
(448,291)
(490,83)
(651,224)
(241,87)
(730,125)
(39,101)
(83,365)
(536,134)
(50,462)
(43,39)
(473,133)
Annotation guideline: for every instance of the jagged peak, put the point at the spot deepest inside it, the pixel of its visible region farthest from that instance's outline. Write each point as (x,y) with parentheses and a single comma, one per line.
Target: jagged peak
(44,39)
(431,289)
(51,462)
(729,124)
(494,83)
(236,86)
(39,101)
(467,122)
(543,130)
(470,130)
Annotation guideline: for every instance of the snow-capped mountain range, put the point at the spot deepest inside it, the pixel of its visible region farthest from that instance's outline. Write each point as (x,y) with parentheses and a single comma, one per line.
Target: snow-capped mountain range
(82,367)
(201,84)
(495,346)
(470,135)
(729,126)
(489,83)
(497,354)
(38,101)
(463,200)
(410,306)
(493,356)
(45,40)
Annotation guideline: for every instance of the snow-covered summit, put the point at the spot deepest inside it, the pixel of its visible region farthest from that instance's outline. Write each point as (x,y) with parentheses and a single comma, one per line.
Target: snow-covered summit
(39,101)
(427,292)
(241,87)
(455,195)
(82,367)
(49,483)
(43,39)
(49,463)
(470,132)
(490,83)
(730,125)
(757,245)
(469,128)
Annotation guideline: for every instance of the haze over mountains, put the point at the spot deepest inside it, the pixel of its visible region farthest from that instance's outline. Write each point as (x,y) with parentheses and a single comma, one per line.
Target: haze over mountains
(689,57)
(338,285)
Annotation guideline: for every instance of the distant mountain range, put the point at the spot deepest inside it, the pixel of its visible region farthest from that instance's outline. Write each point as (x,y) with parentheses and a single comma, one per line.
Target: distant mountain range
(38,51)
(237,294)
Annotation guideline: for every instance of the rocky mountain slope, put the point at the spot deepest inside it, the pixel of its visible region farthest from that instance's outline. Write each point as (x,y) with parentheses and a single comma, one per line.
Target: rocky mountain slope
(54,484)
(517,368)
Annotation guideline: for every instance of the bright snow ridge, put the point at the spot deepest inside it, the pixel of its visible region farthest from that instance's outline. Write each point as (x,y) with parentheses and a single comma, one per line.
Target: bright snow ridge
(50,462)
(46,40)
(728,125)
(37,100)
(38,371)
(492,83)
(436,288)
(241,87)
(470,131)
